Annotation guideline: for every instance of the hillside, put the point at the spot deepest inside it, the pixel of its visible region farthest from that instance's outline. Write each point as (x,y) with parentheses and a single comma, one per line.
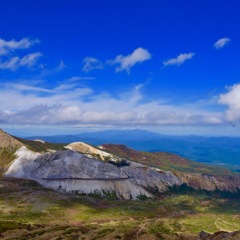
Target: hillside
(85,169)
(165,160)
(10,144)
(210,150)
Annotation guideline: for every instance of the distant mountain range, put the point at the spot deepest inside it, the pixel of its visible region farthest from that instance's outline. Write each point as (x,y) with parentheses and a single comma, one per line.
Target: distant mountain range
(212,150)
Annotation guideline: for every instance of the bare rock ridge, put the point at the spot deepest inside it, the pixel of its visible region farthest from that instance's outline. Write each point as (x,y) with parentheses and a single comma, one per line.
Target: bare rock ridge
(211,183)
(73,172)
(194,175)
(7,141)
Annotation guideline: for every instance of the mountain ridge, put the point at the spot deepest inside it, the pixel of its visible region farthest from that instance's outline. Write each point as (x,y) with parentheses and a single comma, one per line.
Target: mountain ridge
(146,171)
(221,151)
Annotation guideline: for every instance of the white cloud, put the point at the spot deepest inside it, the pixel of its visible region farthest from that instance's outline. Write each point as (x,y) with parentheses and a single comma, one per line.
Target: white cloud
(127,62)
(12,45)
(71,104)
(90,63)
(180,59)
(232,100)
(221,43)
(16,62)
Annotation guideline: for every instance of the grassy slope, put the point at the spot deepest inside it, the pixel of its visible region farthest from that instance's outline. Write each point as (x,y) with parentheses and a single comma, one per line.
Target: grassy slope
(30,211)
(165,161)
(37,146)
(6,157)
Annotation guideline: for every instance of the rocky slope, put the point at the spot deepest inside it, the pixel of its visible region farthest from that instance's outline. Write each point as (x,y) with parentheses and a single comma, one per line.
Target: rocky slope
(109,169)
(211,183)
(71,171)
(10,144)
(194,175)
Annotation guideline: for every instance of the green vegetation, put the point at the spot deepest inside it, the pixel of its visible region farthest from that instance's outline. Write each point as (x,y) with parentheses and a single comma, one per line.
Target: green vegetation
(51,214)
(6,157)
(37,146)
(166,161)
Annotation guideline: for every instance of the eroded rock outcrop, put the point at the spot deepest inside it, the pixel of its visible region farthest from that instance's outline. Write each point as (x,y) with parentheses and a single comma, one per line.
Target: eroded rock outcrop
(86,169)
(152,178)
(195,175)
(210,183)
(70,171)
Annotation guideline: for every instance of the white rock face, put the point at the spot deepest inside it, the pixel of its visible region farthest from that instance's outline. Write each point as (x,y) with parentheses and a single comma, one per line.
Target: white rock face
(71,171)
(20,166)
(152,178)
(122,188)
(74,172)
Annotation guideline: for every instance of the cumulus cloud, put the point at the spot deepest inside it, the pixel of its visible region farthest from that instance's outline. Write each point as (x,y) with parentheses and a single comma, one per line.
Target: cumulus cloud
(179,60)
(90,63)
(15,62)
(127,62)
(231,99)
(12,45)
(221,43)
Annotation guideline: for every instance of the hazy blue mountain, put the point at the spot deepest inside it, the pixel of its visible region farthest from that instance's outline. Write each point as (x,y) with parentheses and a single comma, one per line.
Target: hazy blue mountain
(212,150)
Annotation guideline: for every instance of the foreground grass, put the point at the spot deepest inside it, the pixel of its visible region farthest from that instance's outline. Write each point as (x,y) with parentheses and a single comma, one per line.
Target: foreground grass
(37,213)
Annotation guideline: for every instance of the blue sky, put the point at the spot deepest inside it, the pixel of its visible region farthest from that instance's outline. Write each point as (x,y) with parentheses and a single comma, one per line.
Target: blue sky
(168,66)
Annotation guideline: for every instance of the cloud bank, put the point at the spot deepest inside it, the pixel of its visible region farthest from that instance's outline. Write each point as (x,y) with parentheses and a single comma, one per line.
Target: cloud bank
(72,104)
